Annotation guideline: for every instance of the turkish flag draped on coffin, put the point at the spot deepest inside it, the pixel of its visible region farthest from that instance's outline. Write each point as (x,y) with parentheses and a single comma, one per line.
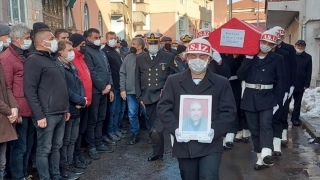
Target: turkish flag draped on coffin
(236,37)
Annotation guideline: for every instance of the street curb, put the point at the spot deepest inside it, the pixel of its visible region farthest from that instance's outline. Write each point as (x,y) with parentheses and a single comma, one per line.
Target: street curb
(310,129)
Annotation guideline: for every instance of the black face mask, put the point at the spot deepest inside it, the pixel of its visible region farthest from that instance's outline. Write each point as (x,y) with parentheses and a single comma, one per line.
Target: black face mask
(167,47)
(82,49)
(133,50)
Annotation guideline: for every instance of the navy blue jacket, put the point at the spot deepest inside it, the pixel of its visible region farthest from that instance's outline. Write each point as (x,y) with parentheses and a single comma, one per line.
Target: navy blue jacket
(292,68)
(75,88)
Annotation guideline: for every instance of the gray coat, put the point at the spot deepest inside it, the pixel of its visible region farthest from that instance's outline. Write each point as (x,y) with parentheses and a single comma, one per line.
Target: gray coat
(127,74)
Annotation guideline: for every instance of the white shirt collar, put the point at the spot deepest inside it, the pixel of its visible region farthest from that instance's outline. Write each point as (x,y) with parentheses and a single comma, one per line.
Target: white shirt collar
(152,55)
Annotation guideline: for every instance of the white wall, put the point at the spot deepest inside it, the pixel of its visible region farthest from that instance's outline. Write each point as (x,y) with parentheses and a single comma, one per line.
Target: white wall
(118,27)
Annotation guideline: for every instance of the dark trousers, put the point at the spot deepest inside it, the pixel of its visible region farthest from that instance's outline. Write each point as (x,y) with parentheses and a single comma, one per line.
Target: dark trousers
(200,168)
(21,148)
(297,96)
(284,119)
(97,115)
(3,149)
(49,142)
(156,129)
(240,122)
(277,122)
(70,137)
(84,115)
(260,126)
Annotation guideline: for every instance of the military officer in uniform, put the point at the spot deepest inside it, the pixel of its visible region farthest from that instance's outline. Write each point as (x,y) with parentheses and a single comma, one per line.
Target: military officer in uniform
(152,71)
(263,93)
(186,38)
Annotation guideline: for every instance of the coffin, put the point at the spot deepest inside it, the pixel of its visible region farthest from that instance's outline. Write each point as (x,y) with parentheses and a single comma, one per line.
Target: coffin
(236,37)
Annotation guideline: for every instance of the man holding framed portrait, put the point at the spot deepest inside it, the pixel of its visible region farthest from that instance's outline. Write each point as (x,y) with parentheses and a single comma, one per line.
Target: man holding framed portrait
(197,107)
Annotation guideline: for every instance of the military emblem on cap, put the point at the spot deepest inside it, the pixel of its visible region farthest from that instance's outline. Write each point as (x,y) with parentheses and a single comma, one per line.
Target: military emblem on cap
(153,36)
(186,37)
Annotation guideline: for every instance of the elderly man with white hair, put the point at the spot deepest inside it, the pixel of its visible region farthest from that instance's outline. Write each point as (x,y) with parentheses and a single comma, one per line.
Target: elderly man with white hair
(12,60)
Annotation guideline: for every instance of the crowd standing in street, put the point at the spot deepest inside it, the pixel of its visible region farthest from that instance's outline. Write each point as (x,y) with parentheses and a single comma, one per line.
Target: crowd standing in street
(64,96)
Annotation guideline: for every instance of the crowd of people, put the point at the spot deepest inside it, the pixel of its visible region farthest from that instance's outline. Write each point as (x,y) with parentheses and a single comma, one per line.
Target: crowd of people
(64,91)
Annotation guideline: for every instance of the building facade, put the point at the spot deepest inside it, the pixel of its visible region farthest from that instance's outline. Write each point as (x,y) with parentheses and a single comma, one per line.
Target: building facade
(174,17)
(301,20)
(21,11)
(250,11)
(122,18)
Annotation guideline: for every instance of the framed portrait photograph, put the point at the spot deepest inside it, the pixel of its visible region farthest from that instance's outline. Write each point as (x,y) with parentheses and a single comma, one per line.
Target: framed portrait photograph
(195,117)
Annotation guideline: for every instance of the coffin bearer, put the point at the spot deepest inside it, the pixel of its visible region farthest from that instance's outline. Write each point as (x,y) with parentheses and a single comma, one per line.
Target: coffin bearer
(304,72)
(186,38)
(204,33)
(198,159)
(152,71)
(292,70)
(263,74)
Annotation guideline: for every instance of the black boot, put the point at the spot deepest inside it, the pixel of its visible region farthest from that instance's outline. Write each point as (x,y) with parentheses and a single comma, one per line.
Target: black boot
(134,139)
(84,160)
(77,163)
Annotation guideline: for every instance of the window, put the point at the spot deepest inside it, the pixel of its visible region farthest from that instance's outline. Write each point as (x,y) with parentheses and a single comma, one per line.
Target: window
(100,23)
(181,23)
(181,1)
(86,17)
(16,11)
(290,39)
(207,6)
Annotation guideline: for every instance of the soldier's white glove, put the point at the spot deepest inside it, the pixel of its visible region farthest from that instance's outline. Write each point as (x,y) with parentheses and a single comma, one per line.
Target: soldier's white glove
(178,137)
(249,57)
(291,92)
(211,134)
(216,55)
(275,109)
(285,98)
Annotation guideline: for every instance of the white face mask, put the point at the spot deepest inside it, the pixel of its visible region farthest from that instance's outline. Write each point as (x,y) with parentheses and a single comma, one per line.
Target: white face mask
(186,44)
(1,45)
(265,48)
(97,42)
(112,42)
(183,55)
(299,51)
(174,48)
(54,45)
(118,50)
(198,66)
(102,46)
(153,49)
(7,43)
(70,56)
(26,44)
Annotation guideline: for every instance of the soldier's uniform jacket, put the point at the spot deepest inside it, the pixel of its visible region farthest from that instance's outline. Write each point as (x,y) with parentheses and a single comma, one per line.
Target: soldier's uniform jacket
(267,71)
(151,75)
(287,68)
(223,110)
(233,65)
(292,69)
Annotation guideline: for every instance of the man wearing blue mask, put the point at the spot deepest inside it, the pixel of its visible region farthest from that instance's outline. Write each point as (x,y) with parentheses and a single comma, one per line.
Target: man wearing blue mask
(152,71)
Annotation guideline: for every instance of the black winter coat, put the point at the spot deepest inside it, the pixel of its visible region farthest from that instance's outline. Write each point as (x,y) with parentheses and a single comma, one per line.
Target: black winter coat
(292,68)
(287,68)
(265,71)
(304,71)
(234,64)
(99,67)
(223,111)
(45,85)
(75,88)
(115,62)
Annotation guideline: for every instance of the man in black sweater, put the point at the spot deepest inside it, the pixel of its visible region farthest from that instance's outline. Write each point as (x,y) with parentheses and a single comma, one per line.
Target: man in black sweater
(46,91)
(99,68)
(118,105)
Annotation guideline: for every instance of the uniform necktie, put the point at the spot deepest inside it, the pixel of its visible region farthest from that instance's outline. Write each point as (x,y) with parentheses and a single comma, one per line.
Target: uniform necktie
(153,57)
